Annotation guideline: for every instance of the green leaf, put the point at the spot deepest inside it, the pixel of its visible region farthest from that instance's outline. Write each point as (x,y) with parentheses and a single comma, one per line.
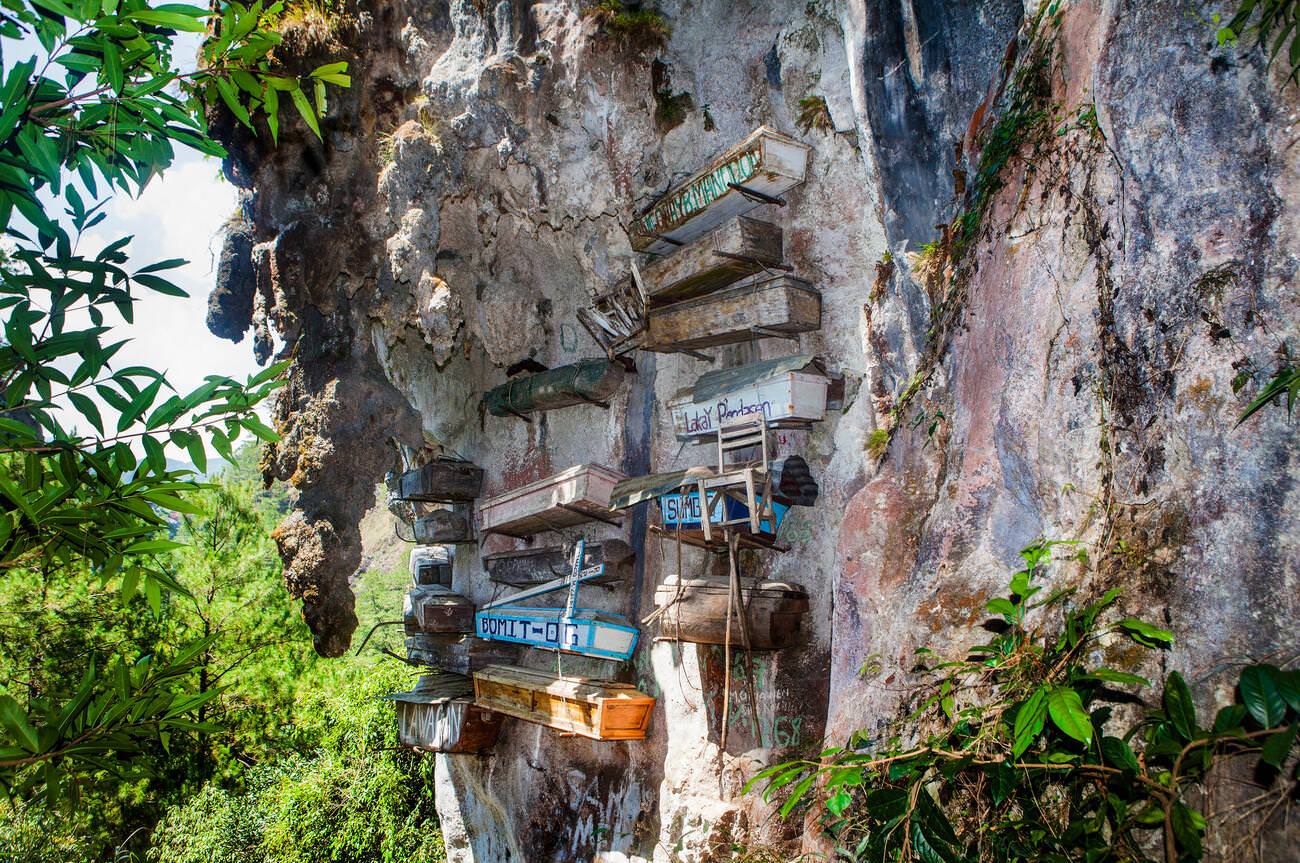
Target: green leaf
(304,109)
(838,802)
(1179,706)
(130,581)
(14,719)
(171,20)
(1066,709)
(1278,746)
(1001,606)
(1288,684)
(259,428)
(153,546)
(1259,692)
(1118,754)
(1188,826)
(1146,634)
(1030,719)
(1111,675)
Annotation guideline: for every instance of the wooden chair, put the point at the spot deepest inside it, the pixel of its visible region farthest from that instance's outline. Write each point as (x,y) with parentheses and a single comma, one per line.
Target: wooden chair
(749,483)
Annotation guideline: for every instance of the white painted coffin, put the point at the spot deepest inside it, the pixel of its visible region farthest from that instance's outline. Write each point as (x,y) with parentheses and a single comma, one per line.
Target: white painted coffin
(587,633)
(575,496)
(785,397)
(767,162)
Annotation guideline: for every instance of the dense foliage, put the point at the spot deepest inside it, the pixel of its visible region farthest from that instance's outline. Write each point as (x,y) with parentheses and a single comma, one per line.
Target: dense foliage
(1029,748)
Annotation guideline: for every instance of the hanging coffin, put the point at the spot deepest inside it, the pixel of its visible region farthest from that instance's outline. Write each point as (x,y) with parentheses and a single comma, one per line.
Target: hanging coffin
(575,496)
(533,566)
(759,307)
(442,480)
(681,517)
(789,392)
(459,654)
(430,566)
(740,248)
(696,610)
(759,169)
(600,710)
(444,527)
(439,715)
(587,633)
(583,382)
(431,609)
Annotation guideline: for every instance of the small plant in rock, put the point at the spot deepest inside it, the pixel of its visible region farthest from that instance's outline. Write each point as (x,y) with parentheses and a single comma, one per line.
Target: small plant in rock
(814,113)
(1011,753)
(1277,26)
(630,26)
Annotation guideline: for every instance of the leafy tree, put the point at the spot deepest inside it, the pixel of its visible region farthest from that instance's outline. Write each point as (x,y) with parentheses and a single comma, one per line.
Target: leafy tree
(83,439)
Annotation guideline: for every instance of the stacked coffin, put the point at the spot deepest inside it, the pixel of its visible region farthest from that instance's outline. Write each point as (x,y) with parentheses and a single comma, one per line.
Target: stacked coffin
(440,493)
(599,709)
(696,610)
(788,392)
(571,497)
(439,715)
(591,381)
(719,275)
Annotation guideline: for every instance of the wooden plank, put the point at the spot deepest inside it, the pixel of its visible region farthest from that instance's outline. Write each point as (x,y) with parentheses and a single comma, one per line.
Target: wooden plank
(531,566)
(767,162)
(571,497)
(442,480)
(697,611)
(740,248)
(758,307)
(600,710)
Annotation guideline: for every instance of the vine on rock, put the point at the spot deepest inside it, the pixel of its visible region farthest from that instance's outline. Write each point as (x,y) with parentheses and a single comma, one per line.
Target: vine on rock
(1015,751)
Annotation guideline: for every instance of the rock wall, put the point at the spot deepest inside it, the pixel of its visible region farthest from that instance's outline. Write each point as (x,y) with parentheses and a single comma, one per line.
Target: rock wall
(1060,363)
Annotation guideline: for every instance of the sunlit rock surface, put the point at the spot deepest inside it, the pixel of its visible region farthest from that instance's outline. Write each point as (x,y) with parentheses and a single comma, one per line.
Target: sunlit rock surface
(1136,255)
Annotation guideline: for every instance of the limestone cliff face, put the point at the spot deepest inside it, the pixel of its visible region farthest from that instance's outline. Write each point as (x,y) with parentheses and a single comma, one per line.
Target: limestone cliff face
(1060,363)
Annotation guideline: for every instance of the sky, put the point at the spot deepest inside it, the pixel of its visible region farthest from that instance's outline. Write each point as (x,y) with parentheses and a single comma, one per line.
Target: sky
(179,215)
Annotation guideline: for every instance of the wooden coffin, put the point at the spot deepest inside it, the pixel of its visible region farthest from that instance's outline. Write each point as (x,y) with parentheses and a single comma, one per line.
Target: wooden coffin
(583,382)
(696,611)
(740,248)
(459,654)
(430,566)
(766,162)
(788,391)
(758,307)
(442,480)
(532,566)
(575,496)
(439,715)
(433,609)
(680,516)
(587,632)
(601,710)
(444,527)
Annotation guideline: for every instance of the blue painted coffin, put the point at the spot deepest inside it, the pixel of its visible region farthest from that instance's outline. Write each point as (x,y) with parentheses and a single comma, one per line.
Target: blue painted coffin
(586,632)
(682,512)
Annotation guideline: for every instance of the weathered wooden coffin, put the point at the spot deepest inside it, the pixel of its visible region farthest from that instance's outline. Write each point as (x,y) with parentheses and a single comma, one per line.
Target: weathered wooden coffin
(587,633)
(430,566)
(787,391)
(459,654)
(435,609)
(696,611)
(766,162)
(740,248)
(575,496)
(444,526)
(442,480)
(601,710)
(439,715)
(531,566)
(583,382)
(758,307)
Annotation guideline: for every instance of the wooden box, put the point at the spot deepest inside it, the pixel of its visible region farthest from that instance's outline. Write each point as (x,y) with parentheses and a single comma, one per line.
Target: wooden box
(577,495)
(740,248)
(442,480)
(598,709)
(787,391)
(766,162)
(439,715)
(459,654)
(696,611)
(430,566)
(587,632)
(758,307)
(532,566)
(434,609)
(583,382)
(444,527)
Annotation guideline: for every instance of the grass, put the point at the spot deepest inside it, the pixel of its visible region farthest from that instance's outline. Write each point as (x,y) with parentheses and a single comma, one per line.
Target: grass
(630,26)
(814,113)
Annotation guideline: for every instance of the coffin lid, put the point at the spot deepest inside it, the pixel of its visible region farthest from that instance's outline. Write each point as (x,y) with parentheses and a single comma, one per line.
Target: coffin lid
(435,689)
(554,479)
(721,381)
(719,585)
(554,684)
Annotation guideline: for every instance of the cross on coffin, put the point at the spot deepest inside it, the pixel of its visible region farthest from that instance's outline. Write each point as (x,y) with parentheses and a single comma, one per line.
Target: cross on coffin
(577,575)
